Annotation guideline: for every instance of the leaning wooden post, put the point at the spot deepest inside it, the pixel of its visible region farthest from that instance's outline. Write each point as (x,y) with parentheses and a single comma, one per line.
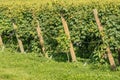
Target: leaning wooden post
(41,41)
(110,57)
(1,43)
(68,35)
(19,41)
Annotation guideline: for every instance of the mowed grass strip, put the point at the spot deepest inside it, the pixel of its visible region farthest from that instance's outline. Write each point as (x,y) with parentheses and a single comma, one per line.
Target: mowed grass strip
(16,66)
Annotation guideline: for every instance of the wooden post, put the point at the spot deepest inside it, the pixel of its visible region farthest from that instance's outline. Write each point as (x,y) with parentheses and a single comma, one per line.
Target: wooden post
(19,41)
(1,43)
(110,57)
(68,35)
(41,41)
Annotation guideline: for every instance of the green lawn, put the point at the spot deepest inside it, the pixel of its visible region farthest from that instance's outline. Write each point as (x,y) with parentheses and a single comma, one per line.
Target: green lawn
(16,66)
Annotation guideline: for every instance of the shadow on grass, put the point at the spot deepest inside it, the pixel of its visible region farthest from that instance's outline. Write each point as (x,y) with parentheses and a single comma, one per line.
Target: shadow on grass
(60,57)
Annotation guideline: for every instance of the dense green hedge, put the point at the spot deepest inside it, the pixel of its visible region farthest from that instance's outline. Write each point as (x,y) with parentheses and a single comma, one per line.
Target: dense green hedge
(83,29)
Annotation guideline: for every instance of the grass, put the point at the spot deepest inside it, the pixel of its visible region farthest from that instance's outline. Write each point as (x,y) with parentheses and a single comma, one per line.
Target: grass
(36,3)
(15,66)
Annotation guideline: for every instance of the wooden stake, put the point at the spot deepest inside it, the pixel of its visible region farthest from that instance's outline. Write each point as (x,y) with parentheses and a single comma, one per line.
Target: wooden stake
(1,43)
(19,41)
(41,41)
(110,57)
(68,35)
